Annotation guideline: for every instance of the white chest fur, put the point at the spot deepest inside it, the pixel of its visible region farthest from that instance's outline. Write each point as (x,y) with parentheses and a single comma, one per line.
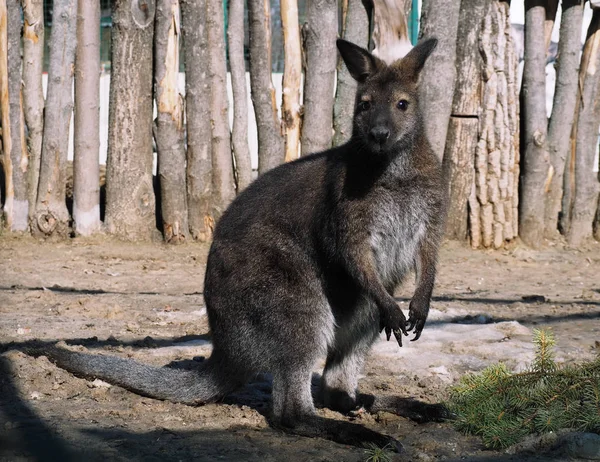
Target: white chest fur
(396,232)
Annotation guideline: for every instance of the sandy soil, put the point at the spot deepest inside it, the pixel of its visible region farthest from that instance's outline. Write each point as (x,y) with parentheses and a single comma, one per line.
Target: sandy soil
(145,301)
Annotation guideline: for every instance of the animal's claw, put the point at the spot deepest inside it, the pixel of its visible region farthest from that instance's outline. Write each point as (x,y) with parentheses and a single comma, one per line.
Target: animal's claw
(398,335)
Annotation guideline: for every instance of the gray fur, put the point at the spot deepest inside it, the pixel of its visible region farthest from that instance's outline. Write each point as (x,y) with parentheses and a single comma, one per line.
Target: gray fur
(305,261)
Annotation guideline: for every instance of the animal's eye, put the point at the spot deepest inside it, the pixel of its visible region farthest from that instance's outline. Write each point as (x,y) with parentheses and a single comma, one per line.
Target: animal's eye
(364,106)
(402,105)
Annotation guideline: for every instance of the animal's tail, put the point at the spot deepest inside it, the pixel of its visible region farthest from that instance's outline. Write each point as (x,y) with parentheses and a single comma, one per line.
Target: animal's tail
(204,384)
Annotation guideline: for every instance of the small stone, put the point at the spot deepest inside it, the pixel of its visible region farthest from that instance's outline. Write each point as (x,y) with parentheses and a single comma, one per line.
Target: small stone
(100,384)
(35,395)
(478,319)
(442,370)
(582,445)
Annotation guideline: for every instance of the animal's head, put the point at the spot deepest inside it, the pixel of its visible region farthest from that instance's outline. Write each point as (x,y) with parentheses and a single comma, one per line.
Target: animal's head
(386,114)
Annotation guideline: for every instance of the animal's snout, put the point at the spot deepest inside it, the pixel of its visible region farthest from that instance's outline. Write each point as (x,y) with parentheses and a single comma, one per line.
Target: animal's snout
(379,134)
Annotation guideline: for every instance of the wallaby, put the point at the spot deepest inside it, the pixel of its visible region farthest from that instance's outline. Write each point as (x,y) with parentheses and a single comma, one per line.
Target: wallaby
(305,261)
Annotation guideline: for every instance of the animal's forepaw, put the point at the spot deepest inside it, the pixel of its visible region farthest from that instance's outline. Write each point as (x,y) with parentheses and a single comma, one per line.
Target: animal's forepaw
(393,320)
(417,316)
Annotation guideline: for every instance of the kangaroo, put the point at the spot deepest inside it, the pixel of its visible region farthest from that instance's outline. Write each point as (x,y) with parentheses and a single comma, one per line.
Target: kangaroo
(305,261)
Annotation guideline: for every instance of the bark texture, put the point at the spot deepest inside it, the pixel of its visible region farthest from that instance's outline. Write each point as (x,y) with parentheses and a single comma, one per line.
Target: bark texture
(390,29)
(15,150)
(86,186)
(169,133)
(51,214)
(320,33)
(9,191)
(270,139)
(563,109)
(130,202)
(463,129)
(439,19)
(536,165)
(356,30)
(197,99)
(292,73)
(551,10)
(222,162)
(237,67)
(459,157)
(584,199)
(486,91)
(33,96)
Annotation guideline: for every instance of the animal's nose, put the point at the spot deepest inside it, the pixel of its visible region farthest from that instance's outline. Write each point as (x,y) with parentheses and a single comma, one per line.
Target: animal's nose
(379,134)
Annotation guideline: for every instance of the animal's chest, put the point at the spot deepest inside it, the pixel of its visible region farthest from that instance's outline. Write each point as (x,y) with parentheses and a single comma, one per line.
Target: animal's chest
(398,225)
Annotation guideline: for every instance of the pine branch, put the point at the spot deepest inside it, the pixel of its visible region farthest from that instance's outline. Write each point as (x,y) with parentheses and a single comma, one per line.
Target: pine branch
(503,408)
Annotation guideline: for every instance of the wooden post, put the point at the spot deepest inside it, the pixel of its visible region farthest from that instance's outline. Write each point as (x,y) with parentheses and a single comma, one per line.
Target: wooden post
(237,67)
(222,162)
(292,72)
(9,192)
(481,157)
(320,33)
(439,18)
(130,202)
(270,138)
(584,199)
(197,109)
(33,96)
(15,150)
(463,130)
(535,168)
(390,29)
(169,132)
(563,109)
(51,215)
(356,30)
(86,169)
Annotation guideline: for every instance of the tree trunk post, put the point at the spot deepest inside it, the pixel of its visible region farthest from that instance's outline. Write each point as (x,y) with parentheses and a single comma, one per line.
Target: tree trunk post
(482,151)
(169,133)
(320,33)
(585,198)
(270,138)
(33,96)
(51,215)
(463,130)
(390,29)
(7,165)
(237,67)
(197,107)
(292,73)
(563,109)
(439,18)
(86,168)
(551,10)
(536,167)
(222,161)
(130,202)
(17,211)
(356,30)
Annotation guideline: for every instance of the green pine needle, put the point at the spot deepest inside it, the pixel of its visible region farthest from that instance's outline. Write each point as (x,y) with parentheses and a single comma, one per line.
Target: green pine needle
(503,408)
(376,454)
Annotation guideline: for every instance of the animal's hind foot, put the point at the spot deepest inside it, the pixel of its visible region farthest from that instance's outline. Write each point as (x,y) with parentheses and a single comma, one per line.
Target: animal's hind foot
(410,408)
(341,432)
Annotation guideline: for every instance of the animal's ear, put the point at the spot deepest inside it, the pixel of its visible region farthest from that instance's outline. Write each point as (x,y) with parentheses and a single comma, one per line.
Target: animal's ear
(414,61)
(360,63)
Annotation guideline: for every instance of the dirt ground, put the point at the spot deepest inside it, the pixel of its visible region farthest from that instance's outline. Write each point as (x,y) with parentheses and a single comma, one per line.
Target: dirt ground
(145,301)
